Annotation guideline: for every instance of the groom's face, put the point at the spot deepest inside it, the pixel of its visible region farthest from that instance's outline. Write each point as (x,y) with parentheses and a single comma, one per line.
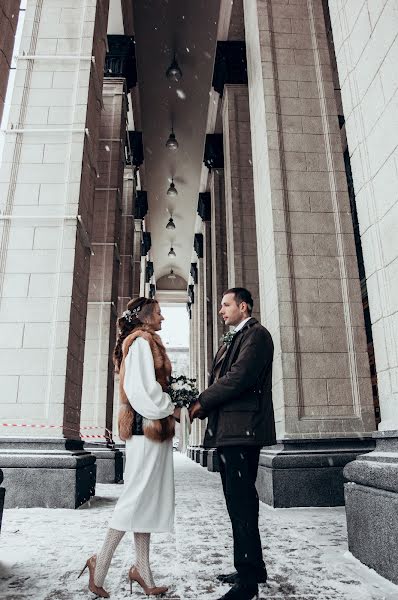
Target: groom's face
(231,312)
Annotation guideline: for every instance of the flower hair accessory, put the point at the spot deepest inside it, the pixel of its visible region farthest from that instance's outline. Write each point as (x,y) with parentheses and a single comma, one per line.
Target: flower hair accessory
(130,314)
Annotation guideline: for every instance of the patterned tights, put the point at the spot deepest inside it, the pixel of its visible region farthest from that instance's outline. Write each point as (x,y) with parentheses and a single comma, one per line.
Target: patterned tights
(111,542)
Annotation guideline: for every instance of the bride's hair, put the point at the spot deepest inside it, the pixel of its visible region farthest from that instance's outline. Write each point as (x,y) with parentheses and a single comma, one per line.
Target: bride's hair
(138,309)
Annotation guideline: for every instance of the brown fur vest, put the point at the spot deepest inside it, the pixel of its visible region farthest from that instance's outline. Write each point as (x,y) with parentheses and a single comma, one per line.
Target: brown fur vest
(158,430)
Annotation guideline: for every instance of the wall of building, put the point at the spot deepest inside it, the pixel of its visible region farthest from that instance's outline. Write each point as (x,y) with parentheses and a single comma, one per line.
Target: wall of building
(365,35)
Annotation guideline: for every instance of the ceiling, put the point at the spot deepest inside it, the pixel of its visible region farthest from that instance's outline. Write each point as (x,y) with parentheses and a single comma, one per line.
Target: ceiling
(189,27)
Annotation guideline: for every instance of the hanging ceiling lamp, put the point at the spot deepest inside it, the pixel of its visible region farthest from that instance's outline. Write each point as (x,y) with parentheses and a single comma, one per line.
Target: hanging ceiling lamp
(172,191)
(171,224)
(171,275)
(171,251)
(174,72)
(172,143)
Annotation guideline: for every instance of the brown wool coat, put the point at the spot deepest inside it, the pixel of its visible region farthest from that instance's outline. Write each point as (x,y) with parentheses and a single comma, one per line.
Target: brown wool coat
(158,430)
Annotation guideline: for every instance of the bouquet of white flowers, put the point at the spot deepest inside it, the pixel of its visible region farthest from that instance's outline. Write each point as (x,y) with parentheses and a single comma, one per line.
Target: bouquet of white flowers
(183,391)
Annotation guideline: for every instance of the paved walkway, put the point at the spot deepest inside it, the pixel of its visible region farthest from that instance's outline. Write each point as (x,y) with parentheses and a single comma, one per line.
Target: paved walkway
(42,550)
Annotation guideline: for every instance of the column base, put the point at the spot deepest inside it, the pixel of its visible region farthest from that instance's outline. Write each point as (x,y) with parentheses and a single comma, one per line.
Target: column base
(203,452)
(193,453)
(307,472)
(371,496)
(109,462)
(121,446)
(2,494)
(46,472)
(213,460)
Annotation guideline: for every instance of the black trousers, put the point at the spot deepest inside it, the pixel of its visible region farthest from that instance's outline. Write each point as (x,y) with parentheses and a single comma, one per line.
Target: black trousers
(238,468)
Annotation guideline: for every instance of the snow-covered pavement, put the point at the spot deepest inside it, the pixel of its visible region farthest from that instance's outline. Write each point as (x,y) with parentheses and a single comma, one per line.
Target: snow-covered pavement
(43,550)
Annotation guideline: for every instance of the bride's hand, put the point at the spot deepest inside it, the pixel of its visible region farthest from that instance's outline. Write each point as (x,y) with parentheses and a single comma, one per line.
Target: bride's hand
(177,413)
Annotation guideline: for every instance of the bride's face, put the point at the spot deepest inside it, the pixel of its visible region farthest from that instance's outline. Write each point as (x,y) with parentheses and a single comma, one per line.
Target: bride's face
(155,320)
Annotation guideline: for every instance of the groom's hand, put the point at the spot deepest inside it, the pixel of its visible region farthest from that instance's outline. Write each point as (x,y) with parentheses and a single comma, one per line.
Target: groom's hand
(196,411)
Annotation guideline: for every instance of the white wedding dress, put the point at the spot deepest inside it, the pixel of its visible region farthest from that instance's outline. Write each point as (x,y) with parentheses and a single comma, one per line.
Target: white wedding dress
(147,501)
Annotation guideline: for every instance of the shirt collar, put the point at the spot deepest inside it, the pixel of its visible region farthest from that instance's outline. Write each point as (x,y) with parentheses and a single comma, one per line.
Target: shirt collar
(241,325)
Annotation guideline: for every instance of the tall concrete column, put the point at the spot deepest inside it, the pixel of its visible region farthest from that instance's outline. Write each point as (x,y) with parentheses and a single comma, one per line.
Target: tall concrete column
(309,286)
(194,438)
(201,329)
(9,12)
(98,376)
(137,259)
(364,37)
(219,279)
(208,298)
(47,181)
(126,270)
(239,192)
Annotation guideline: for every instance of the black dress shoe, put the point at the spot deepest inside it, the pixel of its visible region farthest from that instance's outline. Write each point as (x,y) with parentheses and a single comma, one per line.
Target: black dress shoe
(234,577)
(241,592)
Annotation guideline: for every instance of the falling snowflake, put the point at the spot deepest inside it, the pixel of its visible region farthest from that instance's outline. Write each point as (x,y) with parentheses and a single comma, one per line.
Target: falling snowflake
(181,94)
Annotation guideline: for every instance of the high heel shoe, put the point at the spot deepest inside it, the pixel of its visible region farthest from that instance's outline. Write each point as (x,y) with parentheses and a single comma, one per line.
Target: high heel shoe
(95,589)
(149,591)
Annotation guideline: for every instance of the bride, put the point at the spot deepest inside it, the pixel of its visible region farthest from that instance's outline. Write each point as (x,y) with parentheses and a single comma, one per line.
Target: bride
(146,422)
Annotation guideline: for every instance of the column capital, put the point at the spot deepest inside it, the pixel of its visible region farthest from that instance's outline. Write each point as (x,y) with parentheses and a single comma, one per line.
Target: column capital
(148,271)
(198,244)
(194,272)
(204,206)
(214,152)
(146,243)
(141,204)
(230,65)
(134,149)
(120,59)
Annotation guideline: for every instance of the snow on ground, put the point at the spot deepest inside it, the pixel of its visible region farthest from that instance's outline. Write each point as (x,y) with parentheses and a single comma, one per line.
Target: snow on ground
(43,550)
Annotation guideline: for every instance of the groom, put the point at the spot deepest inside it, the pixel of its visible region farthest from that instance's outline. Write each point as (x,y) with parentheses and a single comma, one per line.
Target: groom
(238,404)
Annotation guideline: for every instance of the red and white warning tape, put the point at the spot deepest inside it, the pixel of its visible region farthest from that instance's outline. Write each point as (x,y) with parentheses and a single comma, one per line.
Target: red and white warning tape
(42,426)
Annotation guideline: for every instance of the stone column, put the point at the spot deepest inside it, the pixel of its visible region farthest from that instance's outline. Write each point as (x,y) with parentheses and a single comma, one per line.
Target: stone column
(98,376)
(201,343)
(239,192)
(137,259)
(9,12)
(208,298)
(194,349)
(125,273)
(366,56)
(204,210)
(47,184)
(309,287)
(201,331)
(219,279)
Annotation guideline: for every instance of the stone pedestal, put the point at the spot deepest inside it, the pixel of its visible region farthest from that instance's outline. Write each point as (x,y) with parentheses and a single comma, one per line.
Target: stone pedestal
(46,472)
(371,496)
(213,460)
(308,472)
(109,461)
(203,452)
